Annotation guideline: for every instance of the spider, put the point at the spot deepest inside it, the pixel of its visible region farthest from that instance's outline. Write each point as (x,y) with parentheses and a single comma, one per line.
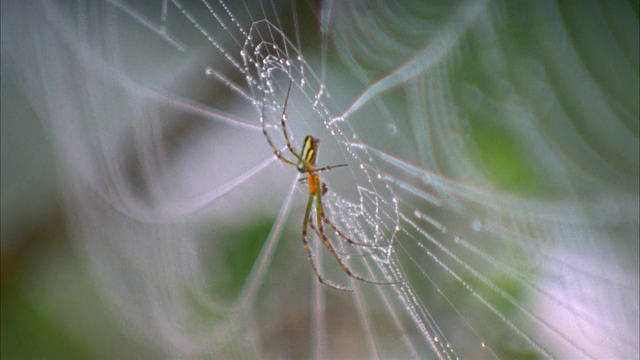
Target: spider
(305,163)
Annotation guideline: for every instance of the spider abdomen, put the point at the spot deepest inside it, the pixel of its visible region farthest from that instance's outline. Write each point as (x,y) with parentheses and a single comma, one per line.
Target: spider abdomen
(308,153)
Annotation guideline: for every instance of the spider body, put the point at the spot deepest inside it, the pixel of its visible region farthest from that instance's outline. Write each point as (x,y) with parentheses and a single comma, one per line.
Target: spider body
(308,153)
(305,163)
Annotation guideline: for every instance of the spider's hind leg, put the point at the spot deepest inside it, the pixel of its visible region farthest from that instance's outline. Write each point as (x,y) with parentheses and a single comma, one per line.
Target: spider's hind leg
(347,239)
(308,221)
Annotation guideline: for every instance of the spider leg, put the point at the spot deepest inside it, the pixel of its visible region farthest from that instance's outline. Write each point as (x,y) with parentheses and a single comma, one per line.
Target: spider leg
(307,220)
(362,253)
(340,234)
(273,147)
(329,168)
(327,244)
(283,121)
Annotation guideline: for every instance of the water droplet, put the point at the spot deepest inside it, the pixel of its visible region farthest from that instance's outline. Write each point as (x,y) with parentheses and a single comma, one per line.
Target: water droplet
(336,119)
(457,239)
(379,176)
(416,213)
(362,166)
(393,129)
(477,225)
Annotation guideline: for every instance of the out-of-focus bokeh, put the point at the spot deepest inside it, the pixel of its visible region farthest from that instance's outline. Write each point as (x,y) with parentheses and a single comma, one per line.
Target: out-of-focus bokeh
(495,144)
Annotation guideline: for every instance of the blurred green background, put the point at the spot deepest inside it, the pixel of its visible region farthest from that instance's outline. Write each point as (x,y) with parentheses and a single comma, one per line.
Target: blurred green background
(50,308)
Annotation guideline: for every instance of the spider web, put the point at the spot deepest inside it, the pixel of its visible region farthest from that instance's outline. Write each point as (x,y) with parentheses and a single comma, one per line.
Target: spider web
(510,199)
